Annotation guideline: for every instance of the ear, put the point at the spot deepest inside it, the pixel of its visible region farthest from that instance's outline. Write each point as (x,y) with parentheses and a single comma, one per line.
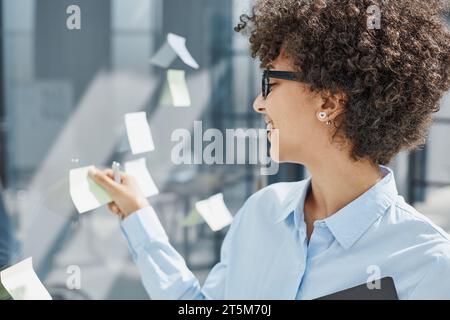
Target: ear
(333,104)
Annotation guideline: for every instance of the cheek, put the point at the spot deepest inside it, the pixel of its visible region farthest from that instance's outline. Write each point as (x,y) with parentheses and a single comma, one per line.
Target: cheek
(293,111)
(296,126)
(295,133)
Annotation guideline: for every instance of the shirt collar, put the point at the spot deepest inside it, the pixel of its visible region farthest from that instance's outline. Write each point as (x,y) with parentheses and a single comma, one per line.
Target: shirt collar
(295,197)
(349,223)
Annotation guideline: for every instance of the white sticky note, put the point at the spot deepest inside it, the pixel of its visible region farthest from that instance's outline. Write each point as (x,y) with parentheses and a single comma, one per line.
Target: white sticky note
(215,212)
(22,283)
(85,193)
(178,88)
(138,169)
(138,131)
(164,56)
(178,44)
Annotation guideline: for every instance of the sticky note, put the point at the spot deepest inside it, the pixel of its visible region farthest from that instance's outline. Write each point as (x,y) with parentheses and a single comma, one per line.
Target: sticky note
(138,169)
(138,131)
(85,193)
(165,97)
(22,283)
(215,212)
(192,218)
(178,44)
(178,88)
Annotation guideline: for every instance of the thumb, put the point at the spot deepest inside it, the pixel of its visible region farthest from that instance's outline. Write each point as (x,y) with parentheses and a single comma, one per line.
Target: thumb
(104,181)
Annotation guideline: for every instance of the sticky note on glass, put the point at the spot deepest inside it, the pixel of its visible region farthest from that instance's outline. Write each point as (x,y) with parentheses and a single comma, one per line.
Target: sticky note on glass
(193,218)
(22,283)
(85,193)
(165,97)
(178,88)
(164,56)
(138,169)
(215,212)
(178,44)
(138,131)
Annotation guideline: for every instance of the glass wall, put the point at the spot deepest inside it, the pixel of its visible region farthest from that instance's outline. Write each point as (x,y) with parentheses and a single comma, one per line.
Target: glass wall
(64,94)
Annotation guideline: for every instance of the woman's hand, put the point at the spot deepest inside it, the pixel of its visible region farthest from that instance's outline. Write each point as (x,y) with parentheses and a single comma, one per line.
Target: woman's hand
(127,196)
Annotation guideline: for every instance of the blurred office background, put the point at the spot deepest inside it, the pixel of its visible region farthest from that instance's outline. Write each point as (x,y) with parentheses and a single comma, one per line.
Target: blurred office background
(63,96)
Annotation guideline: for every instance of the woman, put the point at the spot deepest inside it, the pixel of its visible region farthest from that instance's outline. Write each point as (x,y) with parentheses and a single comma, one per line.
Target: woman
(341,97)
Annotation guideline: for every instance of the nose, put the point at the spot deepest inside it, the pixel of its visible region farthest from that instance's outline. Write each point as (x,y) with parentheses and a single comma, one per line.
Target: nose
(258,104)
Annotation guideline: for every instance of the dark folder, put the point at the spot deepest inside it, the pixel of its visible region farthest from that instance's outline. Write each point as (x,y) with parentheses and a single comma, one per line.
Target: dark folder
(386,291)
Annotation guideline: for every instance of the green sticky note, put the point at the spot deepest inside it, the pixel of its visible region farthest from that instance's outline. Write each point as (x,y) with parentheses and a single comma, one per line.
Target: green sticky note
(85,193)
(165,97)
(178,88)
(4,294)
(193,218)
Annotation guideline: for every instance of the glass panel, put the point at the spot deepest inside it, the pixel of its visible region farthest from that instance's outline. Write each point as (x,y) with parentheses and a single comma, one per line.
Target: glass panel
(66,92)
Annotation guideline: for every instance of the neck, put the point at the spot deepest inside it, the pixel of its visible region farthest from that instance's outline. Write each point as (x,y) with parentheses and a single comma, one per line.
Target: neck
(334,186)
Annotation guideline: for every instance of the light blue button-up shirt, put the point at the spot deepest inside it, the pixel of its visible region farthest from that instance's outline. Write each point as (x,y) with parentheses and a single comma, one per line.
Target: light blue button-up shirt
(266,255)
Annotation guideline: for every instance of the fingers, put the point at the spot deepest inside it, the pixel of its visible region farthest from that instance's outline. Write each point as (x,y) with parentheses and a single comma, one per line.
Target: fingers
(104,181)
(110,173)
(112,206)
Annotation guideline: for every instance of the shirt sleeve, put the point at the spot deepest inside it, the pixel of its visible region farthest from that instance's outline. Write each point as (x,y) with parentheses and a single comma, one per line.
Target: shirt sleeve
(435,284)
(163,270)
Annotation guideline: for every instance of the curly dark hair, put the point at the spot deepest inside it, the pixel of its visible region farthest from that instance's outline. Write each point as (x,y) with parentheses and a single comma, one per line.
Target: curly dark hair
(394,76)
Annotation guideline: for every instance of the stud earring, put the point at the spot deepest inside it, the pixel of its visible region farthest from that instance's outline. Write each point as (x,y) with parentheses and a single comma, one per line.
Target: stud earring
(322,115)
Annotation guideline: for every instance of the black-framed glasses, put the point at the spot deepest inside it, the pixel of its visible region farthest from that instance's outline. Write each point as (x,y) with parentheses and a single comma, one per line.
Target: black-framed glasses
(285,75)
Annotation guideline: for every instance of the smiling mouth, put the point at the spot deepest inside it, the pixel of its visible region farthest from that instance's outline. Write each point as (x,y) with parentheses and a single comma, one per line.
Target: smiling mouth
(270,128)
(269,125)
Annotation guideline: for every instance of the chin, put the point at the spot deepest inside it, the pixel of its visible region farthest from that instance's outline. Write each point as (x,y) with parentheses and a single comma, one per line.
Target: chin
(274,153)
(274,150)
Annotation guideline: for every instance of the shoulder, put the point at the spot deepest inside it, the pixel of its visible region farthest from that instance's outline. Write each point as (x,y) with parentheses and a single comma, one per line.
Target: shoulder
(410,215)
(417,229)
(435,280)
